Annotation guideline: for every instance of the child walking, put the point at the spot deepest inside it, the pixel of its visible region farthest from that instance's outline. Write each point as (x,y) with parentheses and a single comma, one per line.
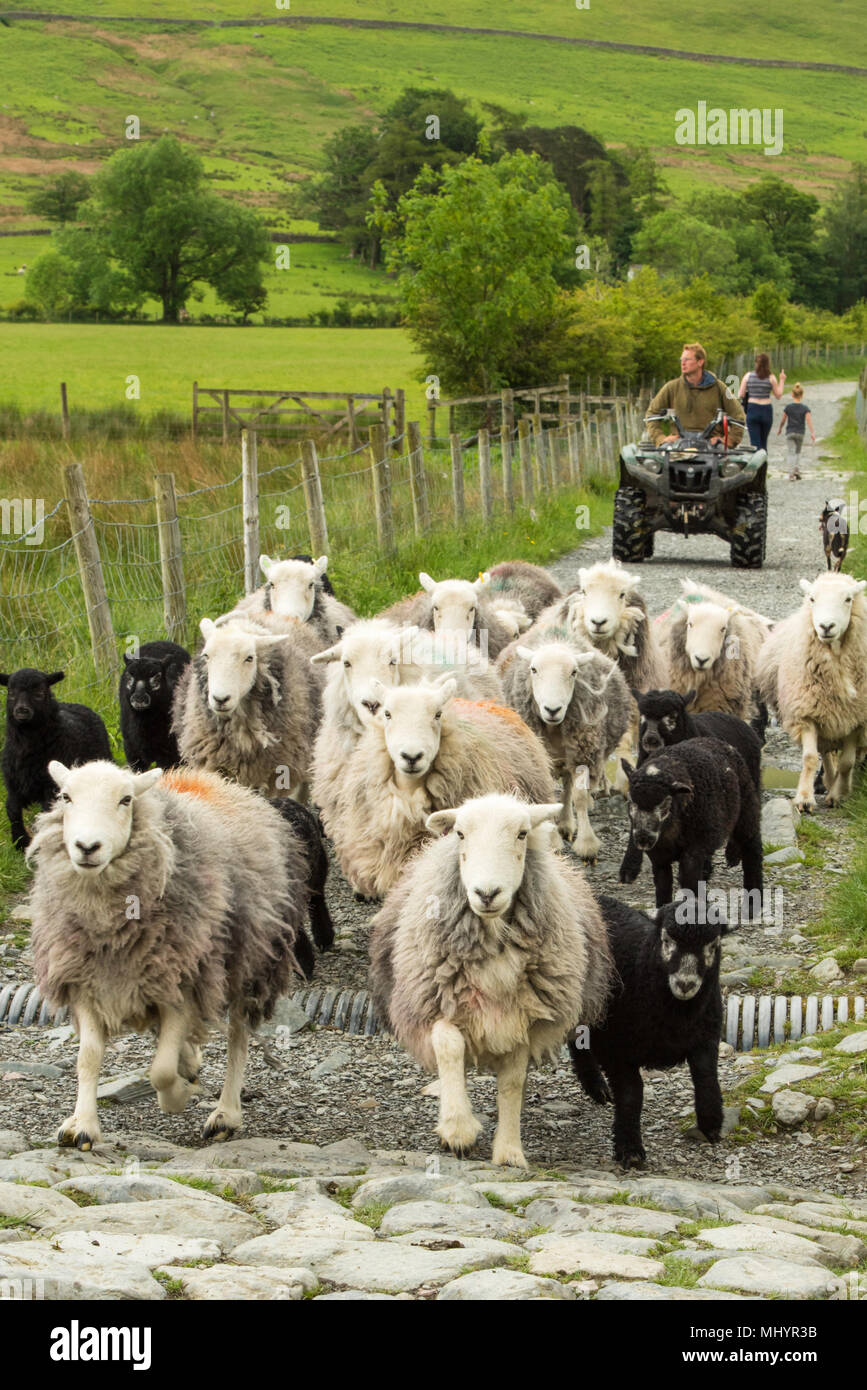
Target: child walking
(798,420)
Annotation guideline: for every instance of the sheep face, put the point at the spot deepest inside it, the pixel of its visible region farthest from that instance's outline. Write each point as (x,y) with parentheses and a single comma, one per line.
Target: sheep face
(97,801)
(707,626)
(368,656)
(453,603)
(606,592)
(651,798)
(554,669)
(145,680)
(830,599)
(293,585)
(231,655)
(493,834)
(662,719)
(688,952)
(30,699)
(411,717)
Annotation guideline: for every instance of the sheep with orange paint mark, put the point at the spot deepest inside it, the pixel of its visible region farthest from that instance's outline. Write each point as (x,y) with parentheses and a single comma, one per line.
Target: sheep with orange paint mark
(164,902)
(424,751)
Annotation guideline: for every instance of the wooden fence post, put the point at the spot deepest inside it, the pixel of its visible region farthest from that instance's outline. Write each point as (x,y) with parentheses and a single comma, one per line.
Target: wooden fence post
(587,440)
(171,559)
(383,406)
(507,415)
(485,475)
(418,479)
(353,427)
(432,422)
(195,430)
(64,411)
(398,443)
(508,482)
(224,396)
(526,460)
(250,496)
(457,476)
(381,474)
(574,459)
(90,569)
(539,444)
(316,523)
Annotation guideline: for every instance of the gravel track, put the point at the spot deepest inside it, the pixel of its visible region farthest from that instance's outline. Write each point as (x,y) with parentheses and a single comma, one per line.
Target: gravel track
(373,1092)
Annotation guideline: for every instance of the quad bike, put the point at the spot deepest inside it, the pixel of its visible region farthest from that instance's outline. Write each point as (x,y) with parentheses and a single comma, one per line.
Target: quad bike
(695,487)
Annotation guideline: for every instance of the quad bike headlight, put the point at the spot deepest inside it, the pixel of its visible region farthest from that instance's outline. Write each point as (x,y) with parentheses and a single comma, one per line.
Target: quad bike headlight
(730,468)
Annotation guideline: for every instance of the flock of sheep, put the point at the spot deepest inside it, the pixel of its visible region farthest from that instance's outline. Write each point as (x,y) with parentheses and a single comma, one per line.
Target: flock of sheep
(430,740)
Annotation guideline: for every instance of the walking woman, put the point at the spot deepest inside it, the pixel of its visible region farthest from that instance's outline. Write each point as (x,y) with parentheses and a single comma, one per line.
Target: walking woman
(757,386)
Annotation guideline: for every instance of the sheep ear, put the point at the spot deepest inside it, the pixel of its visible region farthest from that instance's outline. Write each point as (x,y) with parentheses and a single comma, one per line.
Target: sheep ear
(207,627)
(679,606)
(321,565)
(426,582)
(582,580)
(483,579)
(538,814)
(447,690)
(627,768)
(583,658)
(525,653)
(143,781)
(806,586)
(55,677)
(334,653)
(266,564)
(263,642)
(441,822)
(861,585)
(58,772)
(684,787)
(440,680)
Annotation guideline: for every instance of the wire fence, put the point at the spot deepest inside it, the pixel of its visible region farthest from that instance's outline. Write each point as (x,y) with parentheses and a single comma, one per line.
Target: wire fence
(93,577)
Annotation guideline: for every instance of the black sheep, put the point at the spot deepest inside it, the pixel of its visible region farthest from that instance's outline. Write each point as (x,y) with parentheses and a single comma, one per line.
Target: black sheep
(40,728)
(687,802)
(666,1009)
(307,829)
(665,720)
(147,687)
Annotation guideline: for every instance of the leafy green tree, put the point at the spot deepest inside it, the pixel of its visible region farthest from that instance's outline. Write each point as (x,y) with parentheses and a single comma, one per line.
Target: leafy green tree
(477,248)
(790,217)
(60,199)
(685,248)
(756,258)
(159,222)
(570,151)
(99,287)
(339,198)
(769,307)
(50,284)
(846,240)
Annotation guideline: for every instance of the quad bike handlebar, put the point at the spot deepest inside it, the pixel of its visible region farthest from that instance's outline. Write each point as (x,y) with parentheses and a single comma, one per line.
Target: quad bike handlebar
(720,420)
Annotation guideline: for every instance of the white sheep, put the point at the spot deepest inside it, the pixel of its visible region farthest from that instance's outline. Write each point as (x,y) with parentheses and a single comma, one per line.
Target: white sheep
(376,650)
(488,951)
(711,643)
(295,589)
(248,706)
(424,750)
(811,671)
(165,901)
(454,605)
(578,703)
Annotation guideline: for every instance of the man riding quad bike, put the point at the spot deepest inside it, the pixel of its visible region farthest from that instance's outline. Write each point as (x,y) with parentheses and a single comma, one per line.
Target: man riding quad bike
(693,484)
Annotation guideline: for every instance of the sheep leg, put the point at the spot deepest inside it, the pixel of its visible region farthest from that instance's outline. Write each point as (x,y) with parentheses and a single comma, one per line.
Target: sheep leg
(173,1091)
(630,866)
(691,870)
(663,883)
(626,748)
(589,1074)
(511,1076)
(585,842)
(804,798)
(840,785)
(708,1096)
(190,1061)
(222,1122)
(458,1127)
(320,921)
(628,1091)
(15,812)
(82,1127)
(568,823)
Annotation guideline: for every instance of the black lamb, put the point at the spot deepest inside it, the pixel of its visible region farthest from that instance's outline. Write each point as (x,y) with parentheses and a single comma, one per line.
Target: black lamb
(666,1009)
(39,729)
(665,720)
(147,688)
(687,802)
(306,827)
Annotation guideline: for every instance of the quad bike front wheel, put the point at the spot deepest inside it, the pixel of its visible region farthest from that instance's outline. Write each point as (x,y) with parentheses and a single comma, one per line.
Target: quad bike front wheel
(632,539)
(749,536)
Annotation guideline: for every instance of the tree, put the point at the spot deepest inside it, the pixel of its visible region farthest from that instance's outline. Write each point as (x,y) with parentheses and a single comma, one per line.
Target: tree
(790,218)
(476,247)
(60,200)
(769,307)
(684,247)
(339,198)
(50,284)
(570,151)
(757,260)
(158,221)
(846,240)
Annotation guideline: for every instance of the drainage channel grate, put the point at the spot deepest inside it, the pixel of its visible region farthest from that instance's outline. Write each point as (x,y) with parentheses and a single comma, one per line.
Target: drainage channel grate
(750,1022)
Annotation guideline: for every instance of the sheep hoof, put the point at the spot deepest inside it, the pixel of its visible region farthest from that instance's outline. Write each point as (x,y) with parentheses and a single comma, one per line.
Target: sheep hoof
(219,1126)
(363,898)
(805,804)
(627,875)
(589,856)
(631,1158)
(459,1133)
(599,1091)
(506,1155)
(172,1100)
(70,1135)
(568,833)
